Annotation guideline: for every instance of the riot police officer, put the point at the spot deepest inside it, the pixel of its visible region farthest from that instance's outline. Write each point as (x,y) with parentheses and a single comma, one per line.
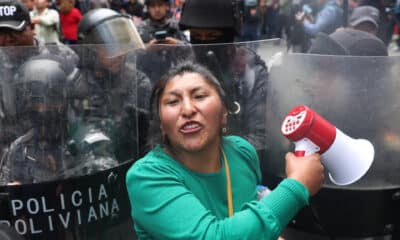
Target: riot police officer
(19,44)
(40,96)
(159,27)
(109,68)
(42,153)
(243,72)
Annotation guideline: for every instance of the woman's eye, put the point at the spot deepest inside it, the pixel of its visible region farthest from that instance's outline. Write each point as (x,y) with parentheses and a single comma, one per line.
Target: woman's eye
(172,102)
(200,96)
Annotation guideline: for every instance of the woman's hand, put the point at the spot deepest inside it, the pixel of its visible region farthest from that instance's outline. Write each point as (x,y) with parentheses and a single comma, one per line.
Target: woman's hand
(307,170)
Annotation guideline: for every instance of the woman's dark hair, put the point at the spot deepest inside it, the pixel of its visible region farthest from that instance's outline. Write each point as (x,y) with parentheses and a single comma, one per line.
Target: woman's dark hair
(158,89)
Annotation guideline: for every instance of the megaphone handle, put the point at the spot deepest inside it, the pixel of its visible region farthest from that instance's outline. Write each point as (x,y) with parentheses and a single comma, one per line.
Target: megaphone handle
(305,147)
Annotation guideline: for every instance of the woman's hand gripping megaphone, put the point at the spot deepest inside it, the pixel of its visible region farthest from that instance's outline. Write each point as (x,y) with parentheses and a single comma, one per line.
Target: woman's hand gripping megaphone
(307,170)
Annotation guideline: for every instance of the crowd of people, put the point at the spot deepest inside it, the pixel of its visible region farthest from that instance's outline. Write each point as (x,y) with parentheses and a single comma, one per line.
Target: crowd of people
(75,99)
(296,21)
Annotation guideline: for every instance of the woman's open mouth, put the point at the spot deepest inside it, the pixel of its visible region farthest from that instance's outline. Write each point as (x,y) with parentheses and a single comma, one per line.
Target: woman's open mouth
(190,127)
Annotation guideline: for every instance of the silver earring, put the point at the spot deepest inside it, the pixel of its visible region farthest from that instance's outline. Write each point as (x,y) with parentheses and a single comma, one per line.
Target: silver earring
(224,130)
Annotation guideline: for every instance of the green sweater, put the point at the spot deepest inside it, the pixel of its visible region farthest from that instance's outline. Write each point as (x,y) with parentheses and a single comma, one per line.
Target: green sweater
(169,201)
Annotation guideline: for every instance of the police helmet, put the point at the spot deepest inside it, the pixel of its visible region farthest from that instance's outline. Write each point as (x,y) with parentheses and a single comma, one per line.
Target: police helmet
(115,31)
(222,14)
(43,80)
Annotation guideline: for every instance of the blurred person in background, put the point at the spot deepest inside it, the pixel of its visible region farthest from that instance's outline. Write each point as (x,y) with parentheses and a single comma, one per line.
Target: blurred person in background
(70,17)
(272,18)
(177,9)
(385,30)
(327,20)
(352,4)
(365,18)
(17,30)
(263,8)
(252,21)
(29,4)
(159,27)
(284,23)
(299,41)
(115,5)
(166,44)
(46,22)
(87,5)
(350,42)
(396,12)
(133,8)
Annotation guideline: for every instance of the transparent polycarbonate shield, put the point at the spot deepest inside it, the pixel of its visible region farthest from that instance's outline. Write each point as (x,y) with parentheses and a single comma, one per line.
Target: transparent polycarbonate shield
(74,119)
(69,123)
(358,95)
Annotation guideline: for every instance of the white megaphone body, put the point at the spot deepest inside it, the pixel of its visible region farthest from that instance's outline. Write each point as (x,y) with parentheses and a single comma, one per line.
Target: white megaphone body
(345,158)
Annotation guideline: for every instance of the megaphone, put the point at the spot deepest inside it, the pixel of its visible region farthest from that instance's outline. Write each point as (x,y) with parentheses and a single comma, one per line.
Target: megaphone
(345,158)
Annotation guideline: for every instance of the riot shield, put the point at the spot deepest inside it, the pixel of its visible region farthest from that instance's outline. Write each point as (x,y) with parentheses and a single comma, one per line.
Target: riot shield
(359,96)
(69,133)
(77,119)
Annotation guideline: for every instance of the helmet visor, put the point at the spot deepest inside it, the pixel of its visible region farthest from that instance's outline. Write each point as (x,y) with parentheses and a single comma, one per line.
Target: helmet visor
(118,35)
